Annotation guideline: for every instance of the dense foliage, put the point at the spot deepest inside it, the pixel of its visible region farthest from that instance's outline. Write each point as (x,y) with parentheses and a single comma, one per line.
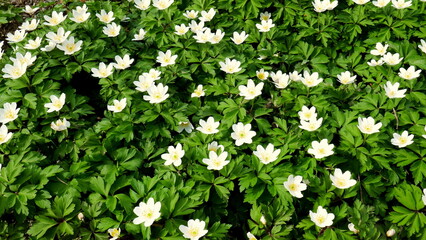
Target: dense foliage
(134,126)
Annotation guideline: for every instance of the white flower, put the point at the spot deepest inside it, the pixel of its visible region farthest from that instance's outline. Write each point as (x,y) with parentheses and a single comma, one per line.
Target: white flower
(199,92)
(392,90)
(261,74)
(322,6)
(216,162)
(157,94)
(181,29)
(56,104)
(56,19)
(80,14)
(409,73)
(295,186)
(4,135)
(29,10)
(321,149)
(346,78)
(174,155)
(118,105)
(207,16)
(152,74)
(352,228)
(311,80)
(187,126)
(144,83)
(268,154)
(311,125)
(14,71)
(368,126)
(265,16)
(29,26)
(390,232)
(194,230)
(9,112)
(250,236)
(239,38)
(381,3)
(380,49)
(265,26)
(361,2)
(139,36)
(391,59)
(203,36)
(424,196)
(196,27)
(49,47)
(111,30)
(166,58)
(209,126)
(400,4)
(402,140)
(103,71)
(321,218)
(114,233)
(58,37)
(217,37)
(230,66)
(295,76)
(69,46)
(80,216)
(106,17)
(374,63)
(242,133)
(424,136)
(27,59)
(306,114)
(422,45)
(123,62)
(147,212)
(191,14)
(60,125)
(162,4)
(342,180)
(251,90)
(142,4)
(214,146)
(16,37)
(33,44)
(281,80)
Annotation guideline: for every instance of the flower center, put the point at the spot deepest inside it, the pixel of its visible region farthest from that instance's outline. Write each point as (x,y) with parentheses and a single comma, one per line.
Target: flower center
(321,219)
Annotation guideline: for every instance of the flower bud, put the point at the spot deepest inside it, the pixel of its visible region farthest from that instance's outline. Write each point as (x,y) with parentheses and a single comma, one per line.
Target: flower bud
(263,220)
(80,216)
(352,228)
(390,232)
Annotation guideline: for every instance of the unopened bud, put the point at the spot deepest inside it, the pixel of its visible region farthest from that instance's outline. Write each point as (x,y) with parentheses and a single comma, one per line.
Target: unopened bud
(80,216)
(263,220)
(390,232)
(352,228)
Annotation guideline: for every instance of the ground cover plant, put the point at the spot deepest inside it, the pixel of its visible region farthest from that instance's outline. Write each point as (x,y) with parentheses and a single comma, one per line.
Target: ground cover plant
(248,119)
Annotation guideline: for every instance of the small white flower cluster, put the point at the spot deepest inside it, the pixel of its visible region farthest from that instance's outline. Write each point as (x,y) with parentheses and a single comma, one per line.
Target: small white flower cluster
(387,57)
(398,4)
(321,218)
(19,65)
(392,90)
(56,105)
(308,119)
(265,22)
